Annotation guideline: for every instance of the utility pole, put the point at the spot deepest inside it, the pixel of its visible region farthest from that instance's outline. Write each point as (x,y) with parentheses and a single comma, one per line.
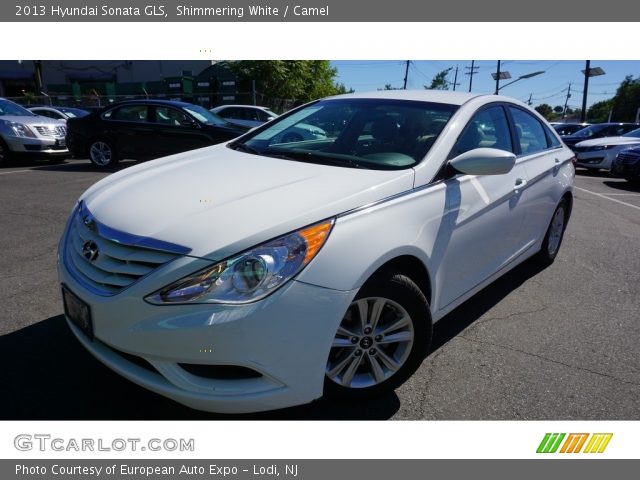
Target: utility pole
(455,79)
(406,75)
(498,79)
(566,101)
(583,114)
(472,71)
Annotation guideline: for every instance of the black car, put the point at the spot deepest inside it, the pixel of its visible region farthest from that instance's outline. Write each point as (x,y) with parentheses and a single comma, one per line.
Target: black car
(599,130)
(565,129)
(143,129)
(627,165)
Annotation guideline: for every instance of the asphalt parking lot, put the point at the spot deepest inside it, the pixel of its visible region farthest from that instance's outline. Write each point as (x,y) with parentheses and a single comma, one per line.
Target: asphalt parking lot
(561,343)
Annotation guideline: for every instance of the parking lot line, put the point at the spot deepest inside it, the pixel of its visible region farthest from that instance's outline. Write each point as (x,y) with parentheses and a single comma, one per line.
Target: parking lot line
(610,199)
(34,168)
(15,171)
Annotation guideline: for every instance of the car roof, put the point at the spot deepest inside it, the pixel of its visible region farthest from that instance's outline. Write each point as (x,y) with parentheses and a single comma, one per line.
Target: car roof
(241,106)
(174,103)
(436,96)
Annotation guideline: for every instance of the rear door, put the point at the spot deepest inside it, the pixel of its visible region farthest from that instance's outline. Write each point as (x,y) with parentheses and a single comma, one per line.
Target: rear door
(485,210)
(129,128)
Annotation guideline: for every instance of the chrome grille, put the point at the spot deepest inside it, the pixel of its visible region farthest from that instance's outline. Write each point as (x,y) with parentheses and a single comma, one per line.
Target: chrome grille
(627,159)
(117,265)
(52,131)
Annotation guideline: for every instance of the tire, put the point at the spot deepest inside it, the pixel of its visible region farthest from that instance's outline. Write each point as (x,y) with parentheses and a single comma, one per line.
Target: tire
(5,154)
(365,363)
(555,233)
(102,153)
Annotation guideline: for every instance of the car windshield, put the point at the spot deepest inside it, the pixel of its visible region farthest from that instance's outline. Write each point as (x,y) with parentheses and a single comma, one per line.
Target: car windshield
(10,108)
(590,131)
(74,112)
(633,133)
(357,133)
(205,116)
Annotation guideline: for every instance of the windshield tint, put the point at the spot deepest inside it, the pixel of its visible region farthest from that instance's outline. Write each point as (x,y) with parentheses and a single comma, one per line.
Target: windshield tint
(205,116)
(10,108)
(365,133)
(590,131)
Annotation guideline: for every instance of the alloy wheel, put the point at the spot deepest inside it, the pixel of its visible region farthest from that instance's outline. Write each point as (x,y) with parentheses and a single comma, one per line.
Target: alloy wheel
(101,153)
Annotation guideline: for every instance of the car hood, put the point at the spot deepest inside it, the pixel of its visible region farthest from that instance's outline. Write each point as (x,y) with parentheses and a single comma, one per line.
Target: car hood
(608,141)
(28,120)
(218,202)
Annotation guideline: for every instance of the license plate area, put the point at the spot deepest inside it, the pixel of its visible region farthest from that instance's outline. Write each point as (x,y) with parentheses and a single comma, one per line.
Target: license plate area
(78,312)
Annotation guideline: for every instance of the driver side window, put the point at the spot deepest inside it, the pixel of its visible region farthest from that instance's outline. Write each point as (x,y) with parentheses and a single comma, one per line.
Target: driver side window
(487,129)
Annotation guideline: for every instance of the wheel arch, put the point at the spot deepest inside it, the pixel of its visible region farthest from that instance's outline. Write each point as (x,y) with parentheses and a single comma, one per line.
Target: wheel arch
(410,266)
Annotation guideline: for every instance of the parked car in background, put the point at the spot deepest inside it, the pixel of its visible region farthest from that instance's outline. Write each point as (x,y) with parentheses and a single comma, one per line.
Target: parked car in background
(258,275)
(565,129)
(25,134)
(627,165)
(246,115)
(251,116)
(599,130)
(599,153)
(59,113)
(143,129)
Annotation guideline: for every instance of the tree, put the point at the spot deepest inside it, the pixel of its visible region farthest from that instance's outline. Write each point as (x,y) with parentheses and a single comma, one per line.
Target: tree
(299,80)
(599,111)
(440,81)
(545,110)
(558,109)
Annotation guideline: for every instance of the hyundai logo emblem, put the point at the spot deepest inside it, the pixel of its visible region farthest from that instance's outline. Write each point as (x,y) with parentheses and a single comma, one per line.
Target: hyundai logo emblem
(90,250)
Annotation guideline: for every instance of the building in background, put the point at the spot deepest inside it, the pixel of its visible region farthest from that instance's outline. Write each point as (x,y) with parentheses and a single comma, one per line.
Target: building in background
(100,82)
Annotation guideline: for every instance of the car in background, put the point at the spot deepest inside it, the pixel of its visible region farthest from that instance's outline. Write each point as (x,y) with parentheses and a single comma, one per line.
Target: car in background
(627,165)
(247,115)
(318,267)
(253,116)
(599,130)
(144,129)
(599,153)
(59,113)
(565,129)
(25,134)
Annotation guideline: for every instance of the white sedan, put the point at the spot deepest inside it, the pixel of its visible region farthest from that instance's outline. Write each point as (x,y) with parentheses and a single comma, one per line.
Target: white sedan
(599,153)
(256,275)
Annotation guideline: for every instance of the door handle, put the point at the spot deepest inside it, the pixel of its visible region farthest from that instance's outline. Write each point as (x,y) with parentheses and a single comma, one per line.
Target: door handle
(520,183)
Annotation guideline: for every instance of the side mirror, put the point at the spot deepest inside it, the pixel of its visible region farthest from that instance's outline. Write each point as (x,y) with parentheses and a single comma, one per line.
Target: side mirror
(484,161)
(188,122)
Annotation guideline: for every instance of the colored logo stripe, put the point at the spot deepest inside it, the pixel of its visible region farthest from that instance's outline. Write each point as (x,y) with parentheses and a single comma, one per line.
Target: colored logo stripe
(550,442)
(574,443)
(597,442)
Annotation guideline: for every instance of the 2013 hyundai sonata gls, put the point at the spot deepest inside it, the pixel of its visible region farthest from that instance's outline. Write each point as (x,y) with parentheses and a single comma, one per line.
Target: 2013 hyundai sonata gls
(257,275)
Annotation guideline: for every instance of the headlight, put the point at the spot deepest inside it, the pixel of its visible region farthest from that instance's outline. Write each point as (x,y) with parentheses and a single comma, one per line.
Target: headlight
(20,130)
(251,275)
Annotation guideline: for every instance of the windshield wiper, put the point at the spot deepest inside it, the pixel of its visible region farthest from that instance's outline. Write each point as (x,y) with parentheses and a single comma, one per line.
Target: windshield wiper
(245,148)
(313,157)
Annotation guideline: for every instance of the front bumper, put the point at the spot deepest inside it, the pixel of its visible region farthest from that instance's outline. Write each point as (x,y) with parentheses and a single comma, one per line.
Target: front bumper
(285,338)
(596,159)
(37,147)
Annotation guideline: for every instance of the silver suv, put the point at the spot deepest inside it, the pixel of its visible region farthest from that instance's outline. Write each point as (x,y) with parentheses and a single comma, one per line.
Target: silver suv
(24,134)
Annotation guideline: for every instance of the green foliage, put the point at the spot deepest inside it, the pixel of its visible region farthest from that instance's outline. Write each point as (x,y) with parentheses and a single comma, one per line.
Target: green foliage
(625,103)
(440,81)
(558,109)
(300,80)
(545,110)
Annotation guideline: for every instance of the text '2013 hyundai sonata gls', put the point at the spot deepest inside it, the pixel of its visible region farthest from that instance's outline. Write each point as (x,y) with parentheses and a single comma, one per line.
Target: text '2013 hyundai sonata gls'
(256,274)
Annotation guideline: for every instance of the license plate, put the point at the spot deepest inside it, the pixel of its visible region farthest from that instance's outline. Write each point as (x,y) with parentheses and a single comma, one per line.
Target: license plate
(78,312)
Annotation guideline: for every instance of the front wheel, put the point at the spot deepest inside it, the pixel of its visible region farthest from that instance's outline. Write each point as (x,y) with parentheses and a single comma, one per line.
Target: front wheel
(555,233)
(102,153)
(4,153)
(382,339)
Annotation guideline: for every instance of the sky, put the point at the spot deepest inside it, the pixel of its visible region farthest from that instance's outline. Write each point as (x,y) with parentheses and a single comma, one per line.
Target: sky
(550,87)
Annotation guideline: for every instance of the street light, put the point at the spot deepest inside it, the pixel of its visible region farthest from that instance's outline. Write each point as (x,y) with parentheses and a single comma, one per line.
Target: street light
(521,77)
(588,72)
